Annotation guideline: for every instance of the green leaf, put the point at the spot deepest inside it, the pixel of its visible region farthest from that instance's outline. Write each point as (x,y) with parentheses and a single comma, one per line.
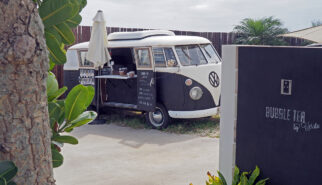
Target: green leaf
(7,170)
(3,181)
(82,119)
(91,94)
(57,54)
(58,159)
(65,139)
(65,32)
(52,122)
(82,4)
(11,183)
(76,6)
(253,176)
(74,21)
(85,117)
(75,102)
(236,176)
(222,178)
(243,179)
(61,117)
(57,94)
(51,65)
(216,183)
(55,33)
(52,84)
(54,111)
(53,12)
(262,182)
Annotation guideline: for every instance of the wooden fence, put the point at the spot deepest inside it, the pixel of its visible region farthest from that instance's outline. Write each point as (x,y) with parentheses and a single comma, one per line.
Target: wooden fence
(83,34)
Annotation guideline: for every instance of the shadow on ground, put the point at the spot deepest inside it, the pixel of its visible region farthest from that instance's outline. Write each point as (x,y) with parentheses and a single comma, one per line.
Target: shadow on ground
(144,134)
(135,139)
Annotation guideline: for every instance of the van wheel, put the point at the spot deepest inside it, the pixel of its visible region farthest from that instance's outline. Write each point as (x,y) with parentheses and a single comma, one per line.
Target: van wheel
(159,118)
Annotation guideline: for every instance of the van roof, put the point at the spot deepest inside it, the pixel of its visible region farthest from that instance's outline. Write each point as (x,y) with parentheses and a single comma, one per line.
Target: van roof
(137,35)
(146,38)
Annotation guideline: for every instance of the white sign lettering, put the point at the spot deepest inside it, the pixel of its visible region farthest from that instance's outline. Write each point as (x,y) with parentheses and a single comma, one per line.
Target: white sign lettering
(296,117)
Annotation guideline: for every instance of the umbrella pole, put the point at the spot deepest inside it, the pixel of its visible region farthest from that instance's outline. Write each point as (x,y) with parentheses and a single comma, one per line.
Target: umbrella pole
(98,121)
(98,92)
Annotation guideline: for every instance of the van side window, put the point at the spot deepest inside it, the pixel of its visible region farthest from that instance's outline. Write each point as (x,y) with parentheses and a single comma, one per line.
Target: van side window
(83,61)
(163,57)
(169,54)
(143,57)
(159,58)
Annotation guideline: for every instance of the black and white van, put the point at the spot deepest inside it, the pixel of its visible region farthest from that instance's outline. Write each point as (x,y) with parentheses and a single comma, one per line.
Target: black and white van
(156,72)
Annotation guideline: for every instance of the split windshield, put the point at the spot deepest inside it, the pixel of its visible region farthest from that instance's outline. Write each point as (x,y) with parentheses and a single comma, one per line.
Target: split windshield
(197,55)
(190,55)
(210,53)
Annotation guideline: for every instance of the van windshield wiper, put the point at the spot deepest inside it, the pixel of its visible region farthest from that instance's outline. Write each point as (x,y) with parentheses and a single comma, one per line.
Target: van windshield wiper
(207,52)
(186,54)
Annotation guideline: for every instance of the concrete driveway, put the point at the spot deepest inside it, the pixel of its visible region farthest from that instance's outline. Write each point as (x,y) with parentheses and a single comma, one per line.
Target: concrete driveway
(114,155)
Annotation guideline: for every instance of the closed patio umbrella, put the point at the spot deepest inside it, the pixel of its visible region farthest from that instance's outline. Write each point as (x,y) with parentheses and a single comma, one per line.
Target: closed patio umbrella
(97,51)
(97,48)
(313,34)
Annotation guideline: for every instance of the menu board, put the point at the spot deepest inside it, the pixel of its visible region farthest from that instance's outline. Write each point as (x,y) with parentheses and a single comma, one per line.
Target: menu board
(146,90)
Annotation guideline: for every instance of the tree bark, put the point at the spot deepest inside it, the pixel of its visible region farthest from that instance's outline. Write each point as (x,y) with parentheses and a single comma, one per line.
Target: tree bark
(24,124)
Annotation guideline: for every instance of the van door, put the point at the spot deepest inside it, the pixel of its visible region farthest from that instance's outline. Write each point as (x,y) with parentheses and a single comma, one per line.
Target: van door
(146,84)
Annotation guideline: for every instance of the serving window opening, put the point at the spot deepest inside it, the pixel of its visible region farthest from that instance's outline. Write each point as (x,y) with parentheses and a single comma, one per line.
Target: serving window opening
(120,88)
(123,60)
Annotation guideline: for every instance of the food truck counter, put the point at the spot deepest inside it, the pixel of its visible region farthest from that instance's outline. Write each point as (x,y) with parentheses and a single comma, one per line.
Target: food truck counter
(115,77)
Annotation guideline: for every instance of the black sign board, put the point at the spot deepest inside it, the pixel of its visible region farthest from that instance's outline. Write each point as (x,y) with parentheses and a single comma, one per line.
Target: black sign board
(71,79)
(146,90)
(279,115)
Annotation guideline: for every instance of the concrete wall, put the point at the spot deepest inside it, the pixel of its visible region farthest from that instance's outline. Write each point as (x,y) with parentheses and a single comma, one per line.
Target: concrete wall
(228,112)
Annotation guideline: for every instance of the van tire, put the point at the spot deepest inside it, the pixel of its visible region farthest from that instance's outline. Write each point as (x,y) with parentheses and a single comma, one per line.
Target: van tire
(158,119)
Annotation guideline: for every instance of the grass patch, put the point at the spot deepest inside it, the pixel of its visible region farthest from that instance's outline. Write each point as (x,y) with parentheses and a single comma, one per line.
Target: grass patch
(206,127)
(126,118)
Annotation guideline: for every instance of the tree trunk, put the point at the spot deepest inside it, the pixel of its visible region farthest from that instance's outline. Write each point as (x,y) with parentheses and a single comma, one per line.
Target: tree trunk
(24,126)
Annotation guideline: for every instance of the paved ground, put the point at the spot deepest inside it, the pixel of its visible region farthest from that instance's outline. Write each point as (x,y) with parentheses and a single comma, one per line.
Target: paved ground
(114,155)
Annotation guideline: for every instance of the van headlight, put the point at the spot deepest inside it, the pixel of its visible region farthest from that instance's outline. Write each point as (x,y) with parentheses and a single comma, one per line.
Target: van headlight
(195,93)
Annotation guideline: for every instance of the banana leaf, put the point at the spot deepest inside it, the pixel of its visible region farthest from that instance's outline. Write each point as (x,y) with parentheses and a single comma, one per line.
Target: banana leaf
(53,12)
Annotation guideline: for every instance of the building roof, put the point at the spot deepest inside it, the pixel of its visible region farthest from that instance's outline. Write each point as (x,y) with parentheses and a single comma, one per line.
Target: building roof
(313,34)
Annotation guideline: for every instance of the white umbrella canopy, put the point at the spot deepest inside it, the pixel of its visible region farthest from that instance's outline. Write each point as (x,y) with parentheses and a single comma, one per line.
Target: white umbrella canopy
(313,34)
(97,48)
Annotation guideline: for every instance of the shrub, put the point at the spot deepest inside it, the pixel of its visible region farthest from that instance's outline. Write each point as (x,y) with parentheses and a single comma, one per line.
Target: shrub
(245,178)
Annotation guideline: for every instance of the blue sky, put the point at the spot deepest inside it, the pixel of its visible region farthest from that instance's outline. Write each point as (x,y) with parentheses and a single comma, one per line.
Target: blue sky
(201,15)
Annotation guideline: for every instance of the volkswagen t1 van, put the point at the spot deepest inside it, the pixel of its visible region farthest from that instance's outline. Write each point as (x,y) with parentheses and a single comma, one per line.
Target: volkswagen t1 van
(163,75)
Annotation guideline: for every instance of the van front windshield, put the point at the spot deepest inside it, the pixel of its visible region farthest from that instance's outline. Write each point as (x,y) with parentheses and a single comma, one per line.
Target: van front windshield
(190,55)
(210,53)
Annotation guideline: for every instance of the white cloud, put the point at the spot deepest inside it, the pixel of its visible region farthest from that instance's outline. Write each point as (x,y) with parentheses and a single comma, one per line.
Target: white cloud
(201,15)
(200,7)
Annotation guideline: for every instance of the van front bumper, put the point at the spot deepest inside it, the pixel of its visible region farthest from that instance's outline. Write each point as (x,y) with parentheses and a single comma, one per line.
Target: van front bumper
(193,114)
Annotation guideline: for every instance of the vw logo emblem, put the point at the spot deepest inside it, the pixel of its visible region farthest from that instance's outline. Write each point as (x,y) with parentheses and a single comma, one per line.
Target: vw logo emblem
(214,79)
